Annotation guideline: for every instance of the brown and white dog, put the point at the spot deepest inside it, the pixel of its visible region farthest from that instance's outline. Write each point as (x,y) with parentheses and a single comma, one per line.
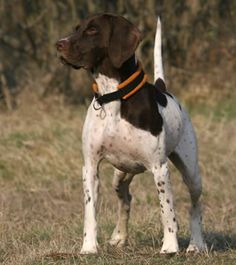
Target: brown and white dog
(133,124)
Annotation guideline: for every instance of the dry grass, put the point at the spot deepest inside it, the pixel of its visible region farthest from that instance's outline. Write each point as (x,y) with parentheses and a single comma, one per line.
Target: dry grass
(41,209)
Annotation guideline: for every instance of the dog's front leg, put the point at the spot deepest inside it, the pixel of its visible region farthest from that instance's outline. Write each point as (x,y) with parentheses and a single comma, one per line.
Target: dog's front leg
(162,180)
(90,185)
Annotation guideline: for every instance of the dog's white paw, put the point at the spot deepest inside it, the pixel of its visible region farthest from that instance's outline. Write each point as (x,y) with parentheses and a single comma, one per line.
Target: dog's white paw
(170,246)
(196,248)
(117,239)
(169,250)
(89,249)
(118,242)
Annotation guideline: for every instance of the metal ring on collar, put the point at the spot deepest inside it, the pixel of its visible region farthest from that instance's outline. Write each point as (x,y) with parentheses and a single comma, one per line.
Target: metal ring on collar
(98,107)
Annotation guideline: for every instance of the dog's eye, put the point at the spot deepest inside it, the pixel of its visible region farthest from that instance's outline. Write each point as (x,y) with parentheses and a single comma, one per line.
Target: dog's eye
(91,31)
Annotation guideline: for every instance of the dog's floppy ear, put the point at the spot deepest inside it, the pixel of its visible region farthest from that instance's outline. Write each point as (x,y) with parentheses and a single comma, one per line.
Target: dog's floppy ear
(124,40)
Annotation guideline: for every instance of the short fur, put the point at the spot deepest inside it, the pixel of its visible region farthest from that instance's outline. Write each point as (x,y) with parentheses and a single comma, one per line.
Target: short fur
(134,135)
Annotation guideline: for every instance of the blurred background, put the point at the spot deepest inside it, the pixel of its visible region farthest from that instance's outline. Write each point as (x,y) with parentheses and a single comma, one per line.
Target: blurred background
(42,109)
(199,46)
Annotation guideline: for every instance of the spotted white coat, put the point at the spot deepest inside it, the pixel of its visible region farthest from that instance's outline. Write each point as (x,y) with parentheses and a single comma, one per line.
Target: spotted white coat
(106,133)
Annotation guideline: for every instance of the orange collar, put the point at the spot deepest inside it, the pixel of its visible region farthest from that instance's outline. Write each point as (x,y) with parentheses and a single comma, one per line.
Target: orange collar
(125,89)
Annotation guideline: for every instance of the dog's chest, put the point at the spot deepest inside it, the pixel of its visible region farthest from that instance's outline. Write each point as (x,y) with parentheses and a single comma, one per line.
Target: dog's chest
(126,147)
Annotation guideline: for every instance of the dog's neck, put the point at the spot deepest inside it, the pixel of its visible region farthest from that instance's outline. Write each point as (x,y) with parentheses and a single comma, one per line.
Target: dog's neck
(107,77)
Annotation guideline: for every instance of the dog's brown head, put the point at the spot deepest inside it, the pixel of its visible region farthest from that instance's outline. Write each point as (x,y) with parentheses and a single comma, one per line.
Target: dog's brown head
(100,38)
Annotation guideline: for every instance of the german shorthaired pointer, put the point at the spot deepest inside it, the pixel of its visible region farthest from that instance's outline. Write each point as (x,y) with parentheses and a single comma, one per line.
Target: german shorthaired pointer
(133,124)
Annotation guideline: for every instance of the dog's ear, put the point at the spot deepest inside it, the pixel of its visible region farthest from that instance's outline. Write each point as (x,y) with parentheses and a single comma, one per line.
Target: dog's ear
(124,39)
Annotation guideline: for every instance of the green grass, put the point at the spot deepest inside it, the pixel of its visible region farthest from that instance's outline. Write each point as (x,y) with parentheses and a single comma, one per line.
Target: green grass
(224,109)
(41,197)
(5,172)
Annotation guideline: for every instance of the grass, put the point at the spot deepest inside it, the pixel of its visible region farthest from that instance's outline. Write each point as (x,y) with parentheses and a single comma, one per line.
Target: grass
(41,205)
(225,109)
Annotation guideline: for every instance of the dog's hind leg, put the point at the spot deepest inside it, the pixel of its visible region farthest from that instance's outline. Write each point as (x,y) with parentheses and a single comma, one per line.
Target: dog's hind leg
(162,180)
(185,158)
(121,183)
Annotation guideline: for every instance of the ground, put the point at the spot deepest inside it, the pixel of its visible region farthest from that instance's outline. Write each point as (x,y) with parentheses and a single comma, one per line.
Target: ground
(41,205)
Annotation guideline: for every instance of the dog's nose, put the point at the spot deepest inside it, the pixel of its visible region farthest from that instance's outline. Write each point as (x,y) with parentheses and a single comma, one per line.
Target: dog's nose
(62,44)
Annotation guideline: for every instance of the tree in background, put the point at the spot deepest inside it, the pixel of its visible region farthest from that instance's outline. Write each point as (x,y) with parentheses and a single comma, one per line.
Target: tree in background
(199,35)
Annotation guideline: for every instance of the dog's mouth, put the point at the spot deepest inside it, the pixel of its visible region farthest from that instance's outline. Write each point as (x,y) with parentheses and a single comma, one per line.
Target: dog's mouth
(65,62)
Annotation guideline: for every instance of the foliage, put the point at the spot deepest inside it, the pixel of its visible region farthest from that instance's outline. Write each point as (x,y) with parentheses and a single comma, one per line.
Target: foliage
(197,36)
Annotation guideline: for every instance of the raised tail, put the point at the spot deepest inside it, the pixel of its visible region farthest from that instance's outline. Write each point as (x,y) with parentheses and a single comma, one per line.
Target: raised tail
(158,65)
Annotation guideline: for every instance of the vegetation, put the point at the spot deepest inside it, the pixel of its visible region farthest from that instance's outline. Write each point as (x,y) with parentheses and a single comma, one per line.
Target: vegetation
(198,38)
(41,210)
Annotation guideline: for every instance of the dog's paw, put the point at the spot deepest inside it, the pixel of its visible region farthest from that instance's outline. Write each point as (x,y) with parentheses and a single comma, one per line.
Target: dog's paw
(118,239)
(197,248)
(89,249)
(169,250)
(118,242)
(170,246)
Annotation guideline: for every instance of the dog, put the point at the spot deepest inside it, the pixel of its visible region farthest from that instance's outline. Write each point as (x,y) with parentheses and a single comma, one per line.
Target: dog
(133,124)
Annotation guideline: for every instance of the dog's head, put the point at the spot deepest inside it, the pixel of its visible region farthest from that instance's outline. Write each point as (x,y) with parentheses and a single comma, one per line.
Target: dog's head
(98,38)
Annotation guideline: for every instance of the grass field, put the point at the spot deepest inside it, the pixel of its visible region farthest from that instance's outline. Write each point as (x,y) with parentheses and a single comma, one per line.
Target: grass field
(41,205)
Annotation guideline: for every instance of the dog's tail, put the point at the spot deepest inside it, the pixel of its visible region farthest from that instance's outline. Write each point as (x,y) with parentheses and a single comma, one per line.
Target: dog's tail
(158,65)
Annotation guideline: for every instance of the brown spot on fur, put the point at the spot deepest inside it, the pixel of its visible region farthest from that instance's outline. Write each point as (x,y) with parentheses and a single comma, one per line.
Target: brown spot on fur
(148,117)
(168,201)
(162,191)
(160,84)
